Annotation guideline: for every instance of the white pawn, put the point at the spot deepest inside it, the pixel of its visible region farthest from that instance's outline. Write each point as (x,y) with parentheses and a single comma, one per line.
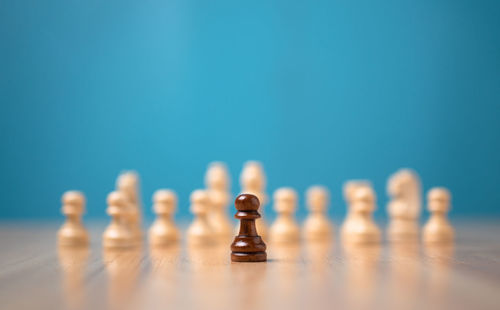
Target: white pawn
(349,188)
(285,228)
(253,181)
(359,227)
(317,226)
(404,208)
(200,232)
(438,229)
(72,231)
(119,233)
(163,231)
(128,184)
(217,183)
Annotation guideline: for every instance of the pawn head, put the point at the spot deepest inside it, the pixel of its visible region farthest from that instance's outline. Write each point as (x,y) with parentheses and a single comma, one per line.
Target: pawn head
(285,199)
(73,198)
(363,199)
(317,197)
(252,176)
(199,201)
(217,176)
(165,196)
(73,203)
(247,202)
(117,203)
(349,188)
(165,201)
(439,199)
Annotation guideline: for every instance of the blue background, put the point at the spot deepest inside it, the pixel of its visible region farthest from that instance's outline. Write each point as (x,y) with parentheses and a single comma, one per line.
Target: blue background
(320,92)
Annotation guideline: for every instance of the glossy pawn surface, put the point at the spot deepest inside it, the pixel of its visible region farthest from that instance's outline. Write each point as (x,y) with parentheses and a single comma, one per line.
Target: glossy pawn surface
(253,181)
(72,231)
(438,228)
(317,226)
(359,226)
(217,183)
(248,245)
(285,227)
(200,232)
(119,233)
(164,231)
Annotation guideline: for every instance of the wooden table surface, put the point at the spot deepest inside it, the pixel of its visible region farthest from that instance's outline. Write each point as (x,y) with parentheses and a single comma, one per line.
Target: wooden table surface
(36,274)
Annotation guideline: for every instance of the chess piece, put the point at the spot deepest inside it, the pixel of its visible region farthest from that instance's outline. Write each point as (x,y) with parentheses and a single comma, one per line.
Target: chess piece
(317,226)
(253,181)
(128,184)
(163,231)
(200,232)
(405,205)
(285,228)
(359,226)
(438,229)
(73,232)
(217,183)
(119,233)
(248,245)
(349,188)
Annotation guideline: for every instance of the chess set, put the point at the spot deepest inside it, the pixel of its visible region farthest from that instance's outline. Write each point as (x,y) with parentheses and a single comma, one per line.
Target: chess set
(211,224)
(210,263)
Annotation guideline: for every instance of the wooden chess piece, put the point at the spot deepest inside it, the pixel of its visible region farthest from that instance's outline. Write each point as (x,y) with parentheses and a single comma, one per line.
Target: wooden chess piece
(285,228)
(119,233)
(317,226)
(248,245)
(404,207)
(73,232)
(253,181)
(128,184)
(350,187)
(359,226)
(200,232)
(163,231)
(438,228)
(217,183)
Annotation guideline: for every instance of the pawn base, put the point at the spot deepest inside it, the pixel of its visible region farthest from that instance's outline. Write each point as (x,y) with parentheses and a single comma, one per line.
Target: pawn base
(248,257)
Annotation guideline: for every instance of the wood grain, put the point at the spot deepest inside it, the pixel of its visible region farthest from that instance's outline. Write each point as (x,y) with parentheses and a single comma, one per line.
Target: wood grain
(37,274)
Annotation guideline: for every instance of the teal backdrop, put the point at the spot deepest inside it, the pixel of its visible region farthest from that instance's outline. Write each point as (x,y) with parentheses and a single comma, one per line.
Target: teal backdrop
(319,91)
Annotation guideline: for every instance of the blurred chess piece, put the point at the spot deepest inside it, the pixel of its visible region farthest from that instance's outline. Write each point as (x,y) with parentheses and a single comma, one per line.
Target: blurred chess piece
(438,228)
(73,262)
(217,183)
(359,226)
(128,184)
(253,181)
(163,231)
(200,232)
(349,188)
(72,231)
(285,228)
(317,226)
(119,233)
(405,206)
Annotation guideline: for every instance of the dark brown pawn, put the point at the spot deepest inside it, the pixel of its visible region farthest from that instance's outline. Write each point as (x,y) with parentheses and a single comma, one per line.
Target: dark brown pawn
(248,246)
